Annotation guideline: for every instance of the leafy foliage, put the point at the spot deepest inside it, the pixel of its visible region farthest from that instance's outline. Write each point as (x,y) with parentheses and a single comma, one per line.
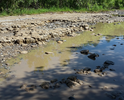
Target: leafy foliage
(10,5)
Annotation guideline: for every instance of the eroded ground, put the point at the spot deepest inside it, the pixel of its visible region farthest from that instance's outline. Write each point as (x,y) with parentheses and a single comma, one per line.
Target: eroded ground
(68,73)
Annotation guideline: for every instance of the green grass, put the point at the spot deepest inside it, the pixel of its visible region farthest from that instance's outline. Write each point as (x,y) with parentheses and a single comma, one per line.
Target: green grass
(26,11)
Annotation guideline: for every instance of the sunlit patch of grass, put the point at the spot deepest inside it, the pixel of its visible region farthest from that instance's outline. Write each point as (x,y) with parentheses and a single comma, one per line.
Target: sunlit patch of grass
(29,11)
(3,14)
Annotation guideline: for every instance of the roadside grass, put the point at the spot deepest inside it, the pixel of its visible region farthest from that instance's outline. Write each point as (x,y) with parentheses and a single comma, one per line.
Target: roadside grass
(27,11)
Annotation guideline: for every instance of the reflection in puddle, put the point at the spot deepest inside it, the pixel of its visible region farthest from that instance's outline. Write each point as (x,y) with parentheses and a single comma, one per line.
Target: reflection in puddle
(65,59)
(62,53)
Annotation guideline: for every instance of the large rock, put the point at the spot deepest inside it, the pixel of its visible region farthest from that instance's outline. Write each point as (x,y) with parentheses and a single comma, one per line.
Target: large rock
(93,56)
(71,83)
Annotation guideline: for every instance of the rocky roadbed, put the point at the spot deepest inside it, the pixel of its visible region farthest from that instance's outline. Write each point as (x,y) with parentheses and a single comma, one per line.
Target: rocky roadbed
(19,35)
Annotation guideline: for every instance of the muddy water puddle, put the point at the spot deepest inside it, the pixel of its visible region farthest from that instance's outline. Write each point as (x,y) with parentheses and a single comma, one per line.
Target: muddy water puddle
(64,60)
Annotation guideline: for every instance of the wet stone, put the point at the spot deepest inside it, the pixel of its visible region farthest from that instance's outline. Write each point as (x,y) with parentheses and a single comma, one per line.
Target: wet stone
(63,80)
(113,94)
(97,70)
(84,52)
(98,67)
(110,95)
(57,85)
(79,72)
(112,69)
(79,81)
(54,80)
(31,88)
(104,73)
(75,69)
(108,62)
(112,48)
(71,83)
(93,56)
(45,85)
(87,69)
(71,98)
(121,98)
(73,78)
(23,86)
(114,45)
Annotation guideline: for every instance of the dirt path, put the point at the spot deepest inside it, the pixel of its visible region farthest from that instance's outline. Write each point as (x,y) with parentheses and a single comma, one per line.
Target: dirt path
(49,16)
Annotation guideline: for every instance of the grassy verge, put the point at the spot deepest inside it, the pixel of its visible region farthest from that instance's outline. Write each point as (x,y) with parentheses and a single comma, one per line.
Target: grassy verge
(26,11)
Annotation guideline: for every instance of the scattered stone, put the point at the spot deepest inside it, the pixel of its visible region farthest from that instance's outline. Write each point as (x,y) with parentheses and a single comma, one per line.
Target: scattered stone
(87,69)
(121,98)
(112,48)
(100,74)
(73,78)
(93,56)
(114,45)
(90,86)
(60,42)
(45,85)
(93,33)
(98,67)
(97,70)
(105,87)
(71,98)
(57,85)
(79,81)
(48,52)
(1,73)
(63,80)
(108,62)
(99,34)
(23,86)
(54,80)
(79,72)
(110,95)
(24,52)
(24,45)
(72,81)
(31,88)
(84,52)
(113,94)
(112,69)
(104,73)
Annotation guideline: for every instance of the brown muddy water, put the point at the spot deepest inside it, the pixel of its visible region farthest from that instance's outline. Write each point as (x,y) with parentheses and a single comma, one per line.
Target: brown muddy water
(37,67)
